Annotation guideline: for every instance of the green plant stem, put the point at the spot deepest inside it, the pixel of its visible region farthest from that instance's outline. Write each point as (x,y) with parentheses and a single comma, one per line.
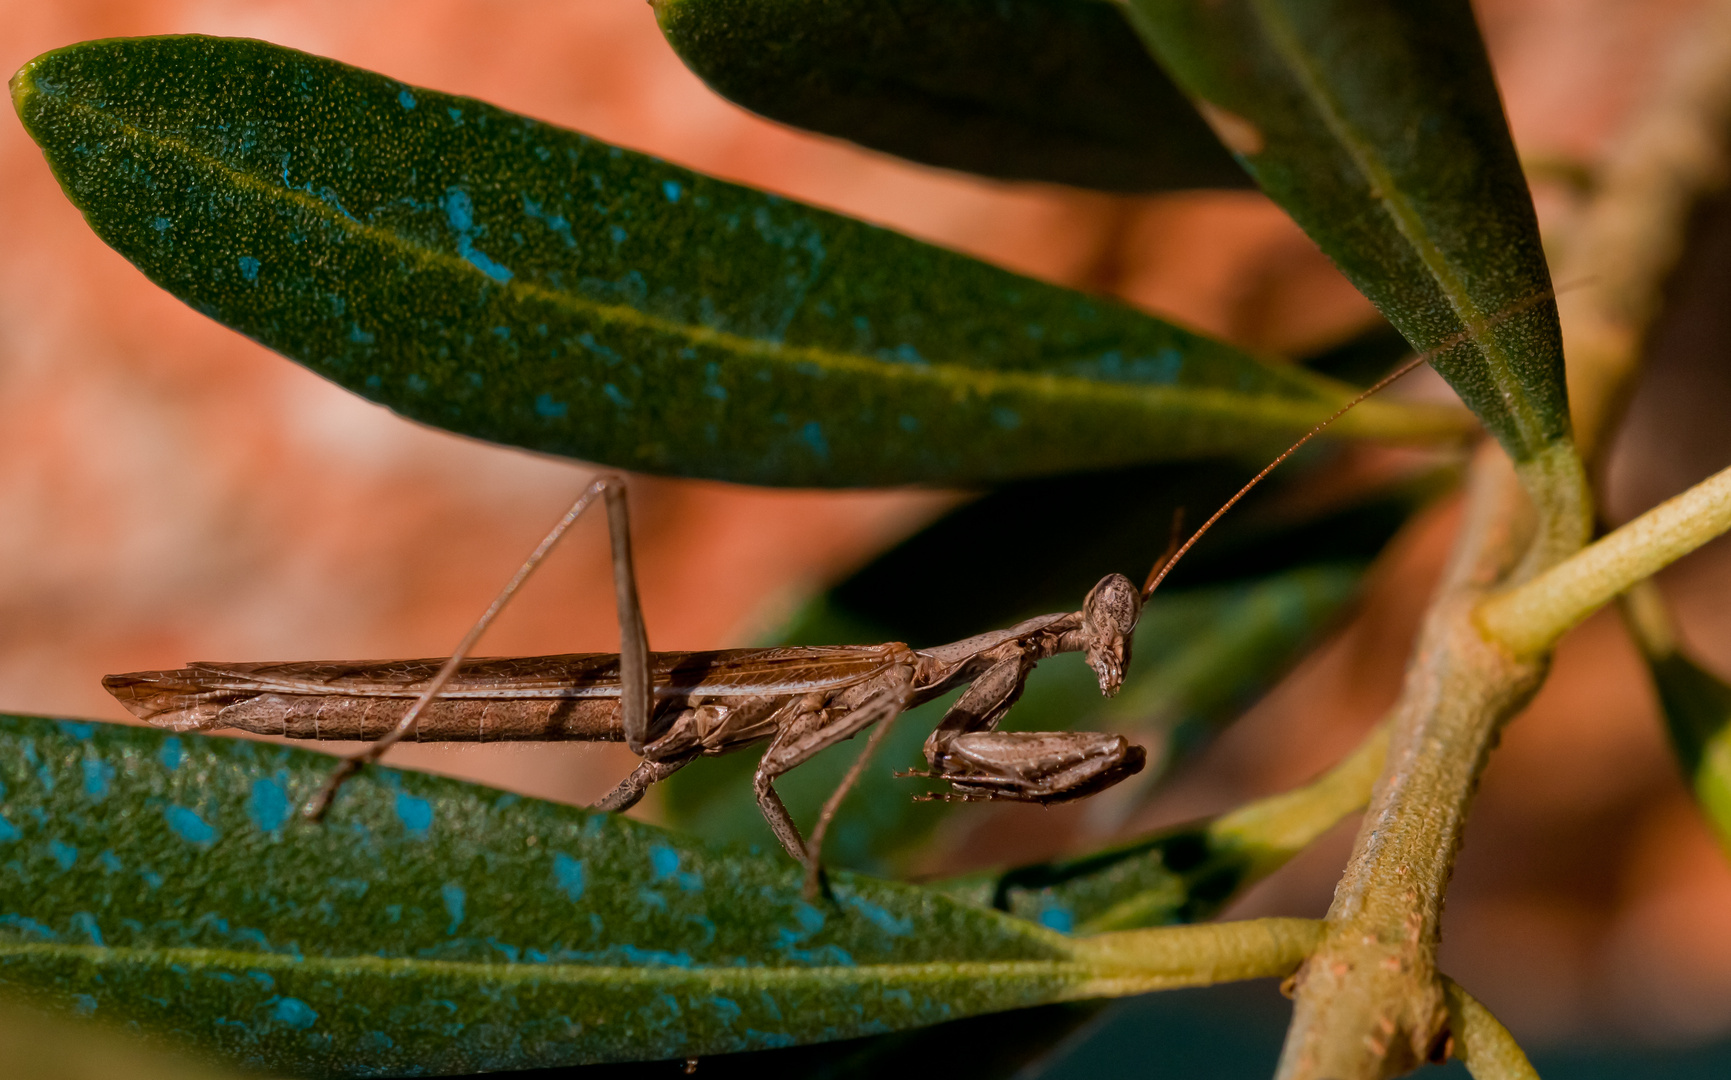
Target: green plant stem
(1274,829)
(1168,957)
(1482,1043)
(1528,619)
(1369,1003)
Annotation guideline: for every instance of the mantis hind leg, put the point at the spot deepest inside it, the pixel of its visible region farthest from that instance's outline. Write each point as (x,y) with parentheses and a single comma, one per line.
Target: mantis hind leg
(636,693)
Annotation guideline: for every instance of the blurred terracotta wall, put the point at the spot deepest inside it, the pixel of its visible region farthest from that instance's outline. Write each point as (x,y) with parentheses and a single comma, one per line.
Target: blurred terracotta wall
(170,491)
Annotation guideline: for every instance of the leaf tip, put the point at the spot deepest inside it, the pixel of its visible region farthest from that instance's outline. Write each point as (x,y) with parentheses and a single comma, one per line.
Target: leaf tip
(21,86)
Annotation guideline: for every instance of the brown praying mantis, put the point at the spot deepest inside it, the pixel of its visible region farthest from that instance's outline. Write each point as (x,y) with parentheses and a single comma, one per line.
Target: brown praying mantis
(671,708)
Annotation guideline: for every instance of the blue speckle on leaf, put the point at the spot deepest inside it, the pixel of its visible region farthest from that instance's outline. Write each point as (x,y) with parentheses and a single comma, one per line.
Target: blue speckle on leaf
(171,754)
(664,861)
(84,922)
(268,804)
(416,814)
(28,926)
(909,423)
(83,1005)
(456,114)
(188,825)
(812,435)
(294,1013)
(249,267)
(894,925)
(671,189)
(64,854)
(460,214)
(555,222)
(78,729)
(162,224)
(546,407)
(454,897)
(8,831)
(614,395)
(97,776)
(1008,419)
(568,875)
(405,99)
(1057,918)
(617,234)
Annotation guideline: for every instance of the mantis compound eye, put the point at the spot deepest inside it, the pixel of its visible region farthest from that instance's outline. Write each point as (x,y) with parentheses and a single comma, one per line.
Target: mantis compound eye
(1109,617)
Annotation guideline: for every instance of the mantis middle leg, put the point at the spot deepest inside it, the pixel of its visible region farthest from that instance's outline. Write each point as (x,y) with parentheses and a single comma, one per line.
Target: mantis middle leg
(814,727)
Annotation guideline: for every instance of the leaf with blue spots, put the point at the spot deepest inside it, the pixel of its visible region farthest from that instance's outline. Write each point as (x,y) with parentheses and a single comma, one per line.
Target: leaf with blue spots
(643,302)
(424,916)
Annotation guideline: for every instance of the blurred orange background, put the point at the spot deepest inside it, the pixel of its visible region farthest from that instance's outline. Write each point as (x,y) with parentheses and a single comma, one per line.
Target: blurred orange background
(170,491)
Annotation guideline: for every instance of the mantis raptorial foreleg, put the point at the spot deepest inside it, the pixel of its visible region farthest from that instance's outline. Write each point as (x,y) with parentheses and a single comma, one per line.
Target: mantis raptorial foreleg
(636,694)
(983,704)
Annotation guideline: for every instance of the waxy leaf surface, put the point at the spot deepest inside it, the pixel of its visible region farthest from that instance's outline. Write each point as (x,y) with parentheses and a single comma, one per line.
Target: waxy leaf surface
(431,926)
(1054,90)
(503,278)
(1378,127)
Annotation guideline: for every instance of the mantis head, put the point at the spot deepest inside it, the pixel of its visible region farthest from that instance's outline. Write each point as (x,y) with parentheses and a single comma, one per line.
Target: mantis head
(1109,616)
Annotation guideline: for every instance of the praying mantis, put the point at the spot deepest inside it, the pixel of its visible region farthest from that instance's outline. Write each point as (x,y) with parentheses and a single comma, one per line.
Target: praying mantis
(671,708)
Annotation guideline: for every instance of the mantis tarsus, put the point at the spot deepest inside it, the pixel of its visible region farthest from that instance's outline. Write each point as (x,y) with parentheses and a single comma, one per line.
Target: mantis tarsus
(673,707)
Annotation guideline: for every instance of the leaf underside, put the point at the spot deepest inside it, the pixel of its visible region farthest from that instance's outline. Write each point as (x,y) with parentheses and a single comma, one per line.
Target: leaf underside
(1052,90)
(1378,127)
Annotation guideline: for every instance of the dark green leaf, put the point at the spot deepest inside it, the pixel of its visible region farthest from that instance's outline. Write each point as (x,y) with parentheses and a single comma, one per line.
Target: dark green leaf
(501,278)
(1056,90)
(1376,124)
(430,926)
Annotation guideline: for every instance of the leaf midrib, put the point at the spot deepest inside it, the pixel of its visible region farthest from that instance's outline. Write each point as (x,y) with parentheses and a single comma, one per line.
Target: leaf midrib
(980,381)
(494,972)
(1387,193)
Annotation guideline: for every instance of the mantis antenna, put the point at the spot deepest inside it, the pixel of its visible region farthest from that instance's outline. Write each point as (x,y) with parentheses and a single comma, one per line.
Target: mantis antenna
(1166,562)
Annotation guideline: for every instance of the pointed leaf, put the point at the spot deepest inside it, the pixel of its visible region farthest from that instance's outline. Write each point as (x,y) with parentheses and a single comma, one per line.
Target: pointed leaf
(1377,126)
(505,279)
(1055,90)
(431,926)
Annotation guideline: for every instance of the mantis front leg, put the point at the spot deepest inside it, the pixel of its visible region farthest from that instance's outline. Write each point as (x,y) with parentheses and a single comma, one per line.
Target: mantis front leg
(980,763)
